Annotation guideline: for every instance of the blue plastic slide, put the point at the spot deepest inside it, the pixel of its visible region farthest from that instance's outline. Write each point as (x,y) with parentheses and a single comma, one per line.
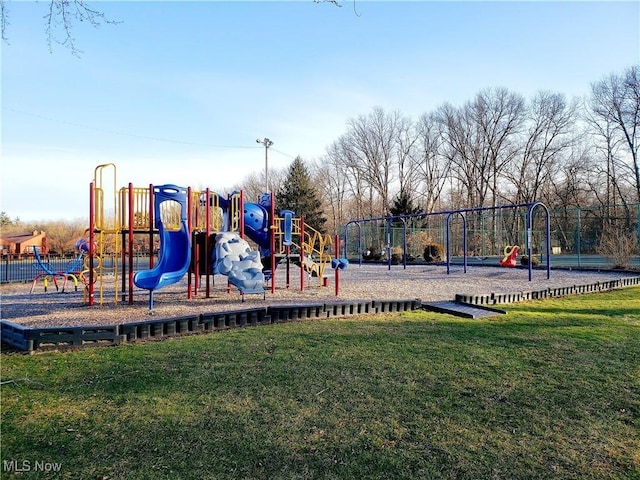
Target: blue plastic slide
(175,246)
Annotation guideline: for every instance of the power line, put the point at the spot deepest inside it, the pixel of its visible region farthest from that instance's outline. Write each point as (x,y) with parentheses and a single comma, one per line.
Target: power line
(282,153)
(134,135)
(125,134)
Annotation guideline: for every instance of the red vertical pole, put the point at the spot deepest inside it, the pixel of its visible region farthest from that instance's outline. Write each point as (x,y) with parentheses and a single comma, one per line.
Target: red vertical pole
(193,268)
(272,240)
(230,213)
(241,214)
(337,269)
(123,198)
(151,225)
(230,227)
(123,254)
(130,243)
(206,243)
(92,249)
(302,272)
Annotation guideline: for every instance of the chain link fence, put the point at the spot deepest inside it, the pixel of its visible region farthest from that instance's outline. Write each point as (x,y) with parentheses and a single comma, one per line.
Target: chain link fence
(585,237)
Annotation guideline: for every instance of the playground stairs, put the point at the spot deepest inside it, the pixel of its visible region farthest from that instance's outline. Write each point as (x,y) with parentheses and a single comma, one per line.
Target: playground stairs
(461,309)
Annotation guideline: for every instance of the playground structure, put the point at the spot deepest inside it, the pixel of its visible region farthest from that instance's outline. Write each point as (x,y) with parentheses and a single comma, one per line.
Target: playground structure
(73,271)
(490,229)
(183,225)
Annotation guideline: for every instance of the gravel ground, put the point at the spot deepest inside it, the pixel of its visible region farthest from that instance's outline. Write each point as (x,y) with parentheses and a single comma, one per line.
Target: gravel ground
(367,282)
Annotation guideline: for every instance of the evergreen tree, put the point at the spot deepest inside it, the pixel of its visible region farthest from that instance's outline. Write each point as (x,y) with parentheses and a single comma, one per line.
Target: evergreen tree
(4,219)
(299,194)
(403,205)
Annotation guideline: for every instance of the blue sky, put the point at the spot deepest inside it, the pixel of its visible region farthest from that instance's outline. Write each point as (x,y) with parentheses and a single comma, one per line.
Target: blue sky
(178,92)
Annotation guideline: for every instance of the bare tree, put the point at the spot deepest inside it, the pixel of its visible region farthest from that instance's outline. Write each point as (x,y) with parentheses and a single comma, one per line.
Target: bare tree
(372,141)
(499,115)
(347,164)
(607,146)
(615,107)
(550,122)
(569,190)
(406,144)
(481,140)
(4,21)
(62,235)
(60,18)
(333,187)
(431,167)
(462,154)
(253,184)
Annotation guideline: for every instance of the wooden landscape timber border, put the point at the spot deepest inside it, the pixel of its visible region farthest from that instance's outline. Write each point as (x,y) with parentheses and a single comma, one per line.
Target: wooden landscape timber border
(58,338)
(504,298)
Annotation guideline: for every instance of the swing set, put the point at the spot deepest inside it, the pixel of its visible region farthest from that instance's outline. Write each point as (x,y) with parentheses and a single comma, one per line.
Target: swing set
(447,218)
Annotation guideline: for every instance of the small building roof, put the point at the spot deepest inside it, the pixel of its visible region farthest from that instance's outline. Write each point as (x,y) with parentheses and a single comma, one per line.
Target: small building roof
(21,238)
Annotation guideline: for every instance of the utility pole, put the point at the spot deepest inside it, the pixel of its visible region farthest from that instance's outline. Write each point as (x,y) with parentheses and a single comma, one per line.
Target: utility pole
(267,143)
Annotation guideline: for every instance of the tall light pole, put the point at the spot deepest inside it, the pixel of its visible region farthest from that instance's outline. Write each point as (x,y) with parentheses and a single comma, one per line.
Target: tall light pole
(267,143)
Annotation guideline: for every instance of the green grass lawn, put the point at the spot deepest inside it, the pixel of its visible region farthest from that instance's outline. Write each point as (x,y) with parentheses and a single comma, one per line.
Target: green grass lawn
(551,390)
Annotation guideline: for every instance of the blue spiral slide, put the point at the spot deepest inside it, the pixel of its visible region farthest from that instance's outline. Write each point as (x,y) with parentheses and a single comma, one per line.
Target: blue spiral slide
(256,226)
(175,246)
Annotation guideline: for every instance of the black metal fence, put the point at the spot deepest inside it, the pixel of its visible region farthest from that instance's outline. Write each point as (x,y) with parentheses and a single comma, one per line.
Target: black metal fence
(25,269)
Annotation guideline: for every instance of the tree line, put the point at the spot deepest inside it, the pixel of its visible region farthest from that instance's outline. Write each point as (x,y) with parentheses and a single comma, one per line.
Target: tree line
(495,149)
